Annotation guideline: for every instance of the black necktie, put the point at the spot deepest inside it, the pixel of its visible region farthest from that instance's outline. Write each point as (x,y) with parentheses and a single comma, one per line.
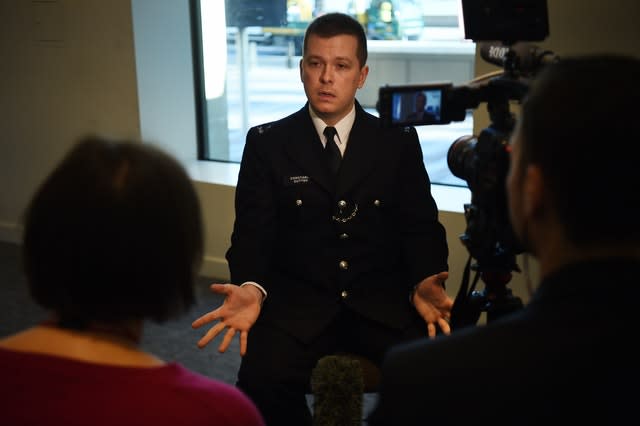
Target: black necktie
(331,150)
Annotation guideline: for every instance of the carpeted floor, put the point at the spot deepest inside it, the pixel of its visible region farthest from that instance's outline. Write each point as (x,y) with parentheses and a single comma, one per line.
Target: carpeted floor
(172,341)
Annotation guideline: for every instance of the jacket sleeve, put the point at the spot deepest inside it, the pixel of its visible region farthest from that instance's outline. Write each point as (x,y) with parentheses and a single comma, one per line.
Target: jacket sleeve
(253,236)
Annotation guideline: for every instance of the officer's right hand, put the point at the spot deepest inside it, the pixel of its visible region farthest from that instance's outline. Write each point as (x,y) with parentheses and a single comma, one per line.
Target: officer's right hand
(238,312)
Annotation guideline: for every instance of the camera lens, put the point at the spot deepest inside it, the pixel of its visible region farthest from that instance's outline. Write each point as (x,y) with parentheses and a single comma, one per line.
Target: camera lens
(461,157)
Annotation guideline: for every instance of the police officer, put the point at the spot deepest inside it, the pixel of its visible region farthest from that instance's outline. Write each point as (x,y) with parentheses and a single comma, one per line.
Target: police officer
(325,257)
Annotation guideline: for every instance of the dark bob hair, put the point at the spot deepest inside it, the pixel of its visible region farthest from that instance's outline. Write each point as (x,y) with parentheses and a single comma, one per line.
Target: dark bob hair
(114,233)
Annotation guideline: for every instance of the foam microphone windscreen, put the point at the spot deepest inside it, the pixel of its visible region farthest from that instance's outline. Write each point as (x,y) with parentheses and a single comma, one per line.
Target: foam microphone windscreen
(337,385)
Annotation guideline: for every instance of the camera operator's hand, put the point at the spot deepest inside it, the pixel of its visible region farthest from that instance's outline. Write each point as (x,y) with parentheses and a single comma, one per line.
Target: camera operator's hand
(433,303)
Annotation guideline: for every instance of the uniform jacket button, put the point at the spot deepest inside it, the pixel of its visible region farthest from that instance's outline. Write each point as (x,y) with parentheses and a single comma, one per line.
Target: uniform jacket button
(344,264)
(298,202)
(342,204)
(344,236)
(376,203)
(344,294)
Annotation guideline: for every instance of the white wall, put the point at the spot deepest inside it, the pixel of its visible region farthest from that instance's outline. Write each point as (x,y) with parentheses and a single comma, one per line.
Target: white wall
(72,68)
(67,69)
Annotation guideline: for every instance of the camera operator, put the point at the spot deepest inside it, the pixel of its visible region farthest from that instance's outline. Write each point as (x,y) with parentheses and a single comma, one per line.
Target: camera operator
(573,200)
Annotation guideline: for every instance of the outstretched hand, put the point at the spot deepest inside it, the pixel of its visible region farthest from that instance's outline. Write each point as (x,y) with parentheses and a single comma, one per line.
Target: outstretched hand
(238,313)
(433,303)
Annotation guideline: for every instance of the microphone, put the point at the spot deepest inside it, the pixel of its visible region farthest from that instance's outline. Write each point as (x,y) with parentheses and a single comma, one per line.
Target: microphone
(337,386)
(527,57)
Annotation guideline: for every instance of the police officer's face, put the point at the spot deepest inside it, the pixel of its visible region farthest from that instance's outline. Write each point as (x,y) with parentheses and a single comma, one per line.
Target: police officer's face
(331,74)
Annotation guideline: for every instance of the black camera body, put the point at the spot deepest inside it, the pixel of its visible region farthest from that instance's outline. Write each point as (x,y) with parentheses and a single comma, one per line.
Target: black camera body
(482,161)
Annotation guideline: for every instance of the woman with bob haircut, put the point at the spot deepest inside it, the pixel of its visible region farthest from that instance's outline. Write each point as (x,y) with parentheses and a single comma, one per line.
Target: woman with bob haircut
(113,237)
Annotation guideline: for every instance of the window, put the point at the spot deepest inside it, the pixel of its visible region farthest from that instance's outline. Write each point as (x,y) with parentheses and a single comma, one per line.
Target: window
(248,71)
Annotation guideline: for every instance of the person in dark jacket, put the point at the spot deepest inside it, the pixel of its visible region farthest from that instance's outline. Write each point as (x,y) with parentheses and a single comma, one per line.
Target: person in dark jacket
(569,356)
(324,262)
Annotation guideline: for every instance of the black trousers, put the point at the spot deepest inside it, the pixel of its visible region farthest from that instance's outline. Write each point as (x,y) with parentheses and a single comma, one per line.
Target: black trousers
(276,370)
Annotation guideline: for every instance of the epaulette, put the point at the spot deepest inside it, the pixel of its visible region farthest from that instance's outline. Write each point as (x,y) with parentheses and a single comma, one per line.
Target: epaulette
(264,127)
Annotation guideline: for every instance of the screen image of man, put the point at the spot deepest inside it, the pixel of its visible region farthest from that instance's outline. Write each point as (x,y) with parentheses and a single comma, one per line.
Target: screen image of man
(422,112)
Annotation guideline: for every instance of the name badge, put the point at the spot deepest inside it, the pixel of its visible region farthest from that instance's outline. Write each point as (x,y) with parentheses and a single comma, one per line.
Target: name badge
(296,180)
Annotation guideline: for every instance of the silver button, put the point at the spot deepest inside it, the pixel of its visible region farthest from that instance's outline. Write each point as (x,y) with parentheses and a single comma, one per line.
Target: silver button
(344,236)
(344,294)
(344,264)
(376,203)
(342,204)
(298,202)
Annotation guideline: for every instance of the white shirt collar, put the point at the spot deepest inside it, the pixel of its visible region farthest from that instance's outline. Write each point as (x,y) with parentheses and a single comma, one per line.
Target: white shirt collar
(343,127)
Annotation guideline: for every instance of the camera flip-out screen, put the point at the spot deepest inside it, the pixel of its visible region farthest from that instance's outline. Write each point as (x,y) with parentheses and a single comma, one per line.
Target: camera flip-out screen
(413,105)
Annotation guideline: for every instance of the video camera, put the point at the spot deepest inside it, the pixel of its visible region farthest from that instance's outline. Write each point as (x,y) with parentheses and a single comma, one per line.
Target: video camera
(500,27)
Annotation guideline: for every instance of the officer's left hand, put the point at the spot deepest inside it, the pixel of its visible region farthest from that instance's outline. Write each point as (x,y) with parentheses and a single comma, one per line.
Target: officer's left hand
(433,303)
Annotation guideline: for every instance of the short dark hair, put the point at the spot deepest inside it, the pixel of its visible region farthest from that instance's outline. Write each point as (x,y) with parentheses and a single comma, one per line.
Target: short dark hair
(114,233)
(334,24)
(578,124)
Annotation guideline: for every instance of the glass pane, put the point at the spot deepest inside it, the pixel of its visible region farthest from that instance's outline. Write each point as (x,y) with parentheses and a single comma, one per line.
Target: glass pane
(251,72)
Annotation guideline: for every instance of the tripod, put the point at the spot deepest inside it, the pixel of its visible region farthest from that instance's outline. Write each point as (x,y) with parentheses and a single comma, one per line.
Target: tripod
(495,299)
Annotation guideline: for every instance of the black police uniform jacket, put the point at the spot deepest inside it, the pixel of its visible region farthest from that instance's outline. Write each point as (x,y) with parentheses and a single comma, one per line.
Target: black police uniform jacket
(316,243)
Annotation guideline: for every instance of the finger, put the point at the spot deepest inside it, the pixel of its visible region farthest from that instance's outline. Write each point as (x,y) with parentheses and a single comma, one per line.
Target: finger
(220,288)
(243,342)
(211,334)
(446,308)
(226,341)
(431,329)
(443,276)
(206,318)
(444,326)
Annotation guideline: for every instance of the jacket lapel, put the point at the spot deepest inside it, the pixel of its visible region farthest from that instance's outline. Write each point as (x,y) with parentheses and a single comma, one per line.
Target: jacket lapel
(362,151)
(304,148)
